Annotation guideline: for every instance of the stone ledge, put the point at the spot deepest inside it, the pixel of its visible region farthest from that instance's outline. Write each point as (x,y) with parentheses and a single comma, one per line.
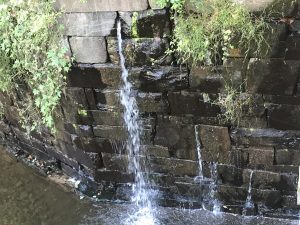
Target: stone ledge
(101,5)
(89,24)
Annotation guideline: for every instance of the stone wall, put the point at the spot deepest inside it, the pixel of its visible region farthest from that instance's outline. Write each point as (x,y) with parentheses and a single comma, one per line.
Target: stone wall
(91,135)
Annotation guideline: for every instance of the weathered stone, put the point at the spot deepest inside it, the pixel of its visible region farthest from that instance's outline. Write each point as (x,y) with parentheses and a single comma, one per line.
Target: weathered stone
(262,179)
(161,79)
(178,137)
(261,156)
(257,137)
(107,118)
(89,24)
(89,49)
(90,160)
(287,157)
(206,79)
(293,48)
(140,51)
(101,5)
(147,102)
(99,145)
(272,76)
(288,182)
(193,103)
(284,117)
(96,76)
(116,162)
(157,151)
(282,7)
(113,176)
(216,144)
(119,133)
(230,175)
(148,23)
(153,4)
(175,167)
(152,102)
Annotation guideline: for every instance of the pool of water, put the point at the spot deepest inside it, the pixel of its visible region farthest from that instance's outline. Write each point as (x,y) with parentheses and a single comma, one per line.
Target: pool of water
(27,198)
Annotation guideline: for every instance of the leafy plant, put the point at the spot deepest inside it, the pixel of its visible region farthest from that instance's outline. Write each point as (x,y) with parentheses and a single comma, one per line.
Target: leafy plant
(32,56)
(207,31)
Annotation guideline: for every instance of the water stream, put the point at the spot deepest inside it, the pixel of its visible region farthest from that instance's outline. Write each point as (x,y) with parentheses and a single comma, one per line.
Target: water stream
(249,204)
(198,146)
(213,187)
(141,196)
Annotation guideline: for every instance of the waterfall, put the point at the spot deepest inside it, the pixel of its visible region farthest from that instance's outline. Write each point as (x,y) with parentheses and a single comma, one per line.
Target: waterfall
(216,205)
(141,196)
(213,187)
(198,147)
(249,204)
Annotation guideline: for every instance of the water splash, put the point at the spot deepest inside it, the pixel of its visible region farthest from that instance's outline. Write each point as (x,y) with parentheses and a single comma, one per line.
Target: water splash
(198,146)
(141,197)
(249,204)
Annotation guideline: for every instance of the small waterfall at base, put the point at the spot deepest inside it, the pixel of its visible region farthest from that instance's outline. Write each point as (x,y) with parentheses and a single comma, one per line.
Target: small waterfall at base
(216,205)
(198,146)
(141,196)
(213,188)
(249,204)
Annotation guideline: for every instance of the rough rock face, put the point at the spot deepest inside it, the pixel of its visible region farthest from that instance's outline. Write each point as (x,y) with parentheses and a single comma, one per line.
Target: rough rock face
(177,108)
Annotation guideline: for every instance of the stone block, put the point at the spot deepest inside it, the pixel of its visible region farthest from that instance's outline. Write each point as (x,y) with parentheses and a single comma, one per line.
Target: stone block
(113,176)
(215,144)
(206,79)
(116,162)
(161,79)
(176,167)
(85,77)
(89,49)
(90,160)
(157,151)
(257,137)
(140,51)
(284,117)
(287,157)
(152,102)
(177,136)
(153,4)
(146,24)
(89,24)
(230,175)
(262,179)
(293,47)
(146,102)
(107,118)
(182,103)
(261,156)
(119,133)
(101,5)
(272,76)
(275,7)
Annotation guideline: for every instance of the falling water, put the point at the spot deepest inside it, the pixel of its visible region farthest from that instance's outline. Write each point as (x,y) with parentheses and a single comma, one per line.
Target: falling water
(213,188)
(198,146)
(249,204)
(141,196)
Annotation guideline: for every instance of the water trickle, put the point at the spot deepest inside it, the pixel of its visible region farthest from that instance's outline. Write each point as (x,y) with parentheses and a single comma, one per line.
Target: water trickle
(141,196)
(198,146)
(213,187)
(249,204)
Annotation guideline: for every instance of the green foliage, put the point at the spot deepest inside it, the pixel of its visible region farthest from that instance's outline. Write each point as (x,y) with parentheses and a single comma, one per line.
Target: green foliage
(32,56)
(207,31)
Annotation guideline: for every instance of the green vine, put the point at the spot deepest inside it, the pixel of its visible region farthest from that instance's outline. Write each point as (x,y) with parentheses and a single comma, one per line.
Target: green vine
(32,56)
(207,31)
